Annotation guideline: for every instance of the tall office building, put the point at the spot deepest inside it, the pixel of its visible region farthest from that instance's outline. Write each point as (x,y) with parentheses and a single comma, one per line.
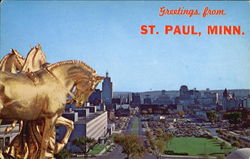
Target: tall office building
(107,90)
(136,100)
(96,97)
(147,100)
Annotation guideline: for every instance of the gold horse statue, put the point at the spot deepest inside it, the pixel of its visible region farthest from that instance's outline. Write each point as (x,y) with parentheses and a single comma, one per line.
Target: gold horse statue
(35,60)
(41,102)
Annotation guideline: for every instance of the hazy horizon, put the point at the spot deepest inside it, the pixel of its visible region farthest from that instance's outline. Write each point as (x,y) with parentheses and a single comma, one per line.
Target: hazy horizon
(178,90)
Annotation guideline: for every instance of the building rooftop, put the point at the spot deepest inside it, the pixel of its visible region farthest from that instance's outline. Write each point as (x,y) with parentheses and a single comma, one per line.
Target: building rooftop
(243,153)
(91,116)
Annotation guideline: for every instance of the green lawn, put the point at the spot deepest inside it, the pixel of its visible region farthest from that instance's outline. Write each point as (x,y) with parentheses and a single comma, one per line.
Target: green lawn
(196,146)
(113,135)
(135,123)
(97,149)
(134,132)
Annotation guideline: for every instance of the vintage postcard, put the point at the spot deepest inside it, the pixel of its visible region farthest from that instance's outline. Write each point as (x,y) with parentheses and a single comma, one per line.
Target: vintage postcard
(124,79)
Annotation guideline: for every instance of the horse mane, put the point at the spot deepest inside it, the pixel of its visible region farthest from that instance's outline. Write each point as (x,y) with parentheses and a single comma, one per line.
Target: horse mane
(84,65)
(73,73)
(35,58)
(5,57)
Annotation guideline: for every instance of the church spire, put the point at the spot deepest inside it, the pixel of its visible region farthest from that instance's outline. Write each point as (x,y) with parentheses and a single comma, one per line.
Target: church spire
(225,93)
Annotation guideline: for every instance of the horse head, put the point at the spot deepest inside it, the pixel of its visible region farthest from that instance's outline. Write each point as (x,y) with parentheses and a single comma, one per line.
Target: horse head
(79,79)
(12,62)
(19,59)
(85,88)
(85,81)
(35,60)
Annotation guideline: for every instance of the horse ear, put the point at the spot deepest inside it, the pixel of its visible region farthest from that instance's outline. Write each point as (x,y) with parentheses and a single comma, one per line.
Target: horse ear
(14,52)
(38,46)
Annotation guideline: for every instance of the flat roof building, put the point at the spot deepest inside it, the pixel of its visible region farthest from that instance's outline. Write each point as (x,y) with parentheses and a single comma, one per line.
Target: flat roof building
(86,124)
(6,138)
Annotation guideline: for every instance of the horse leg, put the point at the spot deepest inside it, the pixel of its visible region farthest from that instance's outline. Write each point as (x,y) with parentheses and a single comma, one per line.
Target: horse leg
(48,127)
(20,125)
(44,140)
(11,127)
(1,100)
(70,126)
(1,107)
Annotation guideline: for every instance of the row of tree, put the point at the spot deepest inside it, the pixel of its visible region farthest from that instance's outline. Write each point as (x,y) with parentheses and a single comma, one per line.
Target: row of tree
(234,117)
(132,145)
(84,144)
(158,142)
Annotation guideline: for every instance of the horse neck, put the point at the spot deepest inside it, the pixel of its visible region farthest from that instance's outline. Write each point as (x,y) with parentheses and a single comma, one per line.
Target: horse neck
(61,73)
(34,61)
(10,63)
(18,62)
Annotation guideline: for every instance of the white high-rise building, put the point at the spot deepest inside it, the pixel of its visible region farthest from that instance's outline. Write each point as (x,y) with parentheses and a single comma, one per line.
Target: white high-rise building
(107,90)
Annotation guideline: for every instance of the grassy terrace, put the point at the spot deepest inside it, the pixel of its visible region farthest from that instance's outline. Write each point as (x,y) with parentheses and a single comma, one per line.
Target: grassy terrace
(134,132)
(135,126)
(97,149)
(197,146)
(135,123)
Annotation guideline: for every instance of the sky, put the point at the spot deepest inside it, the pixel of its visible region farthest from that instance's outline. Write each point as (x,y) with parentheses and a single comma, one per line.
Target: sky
(106,36)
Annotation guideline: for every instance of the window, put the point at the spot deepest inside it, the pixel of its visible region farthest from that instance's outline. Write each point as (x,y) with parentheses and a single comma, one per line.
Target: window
(7,141)
(1,143)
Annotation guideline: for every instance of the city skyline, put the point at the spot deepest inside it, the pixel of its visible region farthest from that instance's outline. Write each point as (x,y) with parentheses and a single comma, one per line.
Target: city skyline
(177,90)
(106,35)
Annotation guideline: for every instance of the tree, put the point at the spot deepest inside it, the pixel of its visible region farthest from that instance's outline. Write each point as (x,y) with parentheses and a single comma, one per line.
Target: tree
(159,132)
(63,154)
(85,144)
(222,145)
(181,113)
(212,116)
(158,146)
(220,156)
(159,142)
(168,137)
(131,144)
(163,136)
(234,117)
(149,134)
(245,115)
(236,144)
